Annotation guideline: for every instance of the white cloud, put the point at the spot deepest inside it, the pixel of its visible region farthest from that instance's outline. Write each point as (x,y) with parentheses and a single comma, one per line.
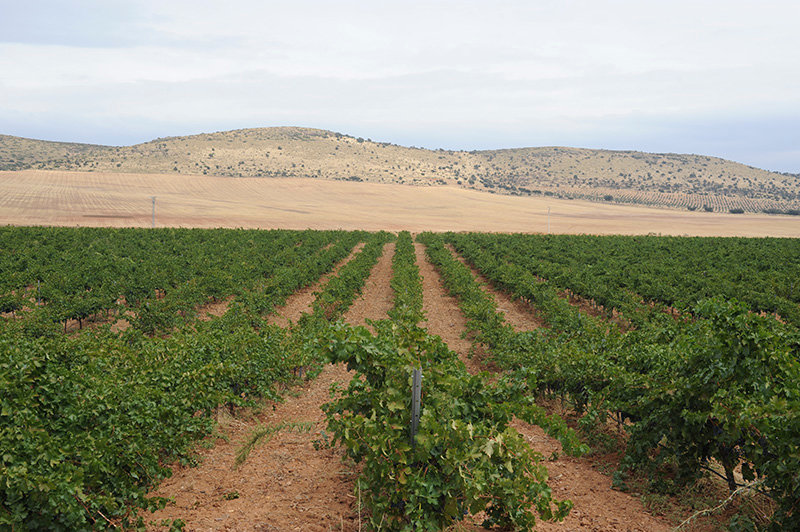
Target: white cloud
(424,73)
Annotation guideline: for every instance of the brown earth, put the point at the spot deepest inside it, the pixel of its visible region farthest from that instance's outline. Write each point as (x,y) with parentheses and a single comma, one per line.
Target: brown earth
(301,301)
(285,483)
(124,200)
(213,309)
(520,315)
(676,180)
(377,297)
(525,316)
(597,506)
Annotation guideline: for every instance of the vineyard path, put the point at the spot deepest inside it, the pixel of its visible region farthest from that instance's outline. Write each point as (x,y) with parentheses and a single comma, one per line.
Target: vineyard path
(521,308)
(519,314)
(285,484)
(301,301)
(205,311)
(597,506)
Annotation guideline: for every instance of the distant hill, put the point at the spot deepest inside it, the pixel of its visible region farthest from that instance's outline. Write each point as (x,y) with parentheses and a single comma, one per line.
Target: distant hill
(693,182)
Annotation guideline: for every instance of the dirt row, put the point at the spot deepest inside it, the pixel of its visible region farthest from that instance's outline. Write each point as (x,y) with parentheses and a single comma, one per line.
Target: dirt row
(520,309)
(205,312)
(301,301)
(520,315)
(285,483)
(597,506)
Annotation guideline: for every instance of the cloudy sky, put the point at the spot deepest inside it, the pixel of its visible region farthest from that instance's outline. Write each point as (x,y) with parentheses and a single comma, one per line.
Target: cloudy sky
(712,77)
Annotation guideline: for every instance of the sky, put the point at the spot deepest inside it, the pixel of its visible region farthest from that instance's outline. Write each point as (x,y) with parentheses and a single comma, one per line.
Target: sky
(708,77)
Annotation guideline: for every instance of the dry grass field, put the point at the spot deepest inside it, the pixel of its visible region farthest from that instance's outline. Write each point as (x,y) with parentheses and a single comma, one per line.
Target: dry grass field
(627,177)
(122,200)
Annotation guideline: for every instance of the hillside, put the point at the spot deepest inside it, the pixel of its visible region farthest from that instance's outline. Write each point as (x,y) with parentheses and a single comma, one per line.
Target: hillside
(673,180)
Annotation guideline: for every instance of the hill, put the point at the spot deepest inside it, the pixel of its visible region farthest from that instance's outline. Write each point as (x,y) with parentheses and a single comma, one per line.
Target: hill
(693,182)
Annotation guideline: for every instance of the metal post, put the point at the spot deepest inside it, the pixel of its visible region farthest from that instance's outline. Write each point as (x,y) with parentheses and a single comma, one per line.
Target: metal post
(154,211)
(548,220)
(416,396)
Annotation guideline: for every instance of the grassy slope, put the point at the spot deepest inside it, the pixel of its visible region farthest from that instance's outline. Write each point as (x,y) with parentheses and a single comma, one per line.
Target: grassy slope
(628,177)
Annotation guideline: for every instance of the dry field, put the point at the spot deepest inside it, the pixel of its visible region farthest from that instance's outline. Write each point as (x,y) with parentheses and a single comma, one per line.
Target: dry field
(629,177)
(123,200)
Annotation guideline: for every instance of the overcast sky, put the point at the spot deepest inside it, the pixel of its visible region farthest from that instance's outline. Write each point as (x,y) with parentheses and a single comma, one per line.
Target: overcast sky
(711,77)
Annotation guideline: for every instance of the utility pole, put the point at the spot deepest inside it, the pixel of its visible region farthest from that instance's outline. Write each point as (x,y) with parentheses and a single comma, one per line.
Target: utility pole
(153,223)
(548,220)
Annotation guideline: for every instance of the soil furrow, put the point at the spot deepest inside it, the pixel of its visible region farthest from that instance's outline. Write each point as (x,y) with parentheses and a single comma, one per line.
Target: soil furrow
(301,301)
(505,301)
(215,309)
(285,483)
(377,297)
(520,315)
(597,506)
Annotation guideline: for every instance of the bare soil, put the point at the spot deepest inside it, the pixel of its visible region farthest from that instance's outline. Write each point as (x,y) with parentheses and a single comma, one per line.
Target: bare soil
(124,200)
(214,309)
(285,483)
(520,315)
(525,316)
(597,506)
(301,301)
(377,297)
(305,152)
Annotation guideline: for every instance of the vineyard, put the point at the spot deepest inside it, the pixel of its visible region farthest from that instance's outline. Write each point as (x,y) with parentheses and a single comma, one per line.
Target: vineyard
(121,350)
(706,201)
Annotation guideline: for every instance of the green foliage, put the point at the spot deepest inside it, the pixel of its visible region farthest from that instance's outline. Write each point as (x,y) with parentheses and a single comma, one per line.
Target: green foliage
(88,422)
(731,396)
(466,458)
(405,282)
(618,272)
(510,349)
(719,383)
(157,277)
